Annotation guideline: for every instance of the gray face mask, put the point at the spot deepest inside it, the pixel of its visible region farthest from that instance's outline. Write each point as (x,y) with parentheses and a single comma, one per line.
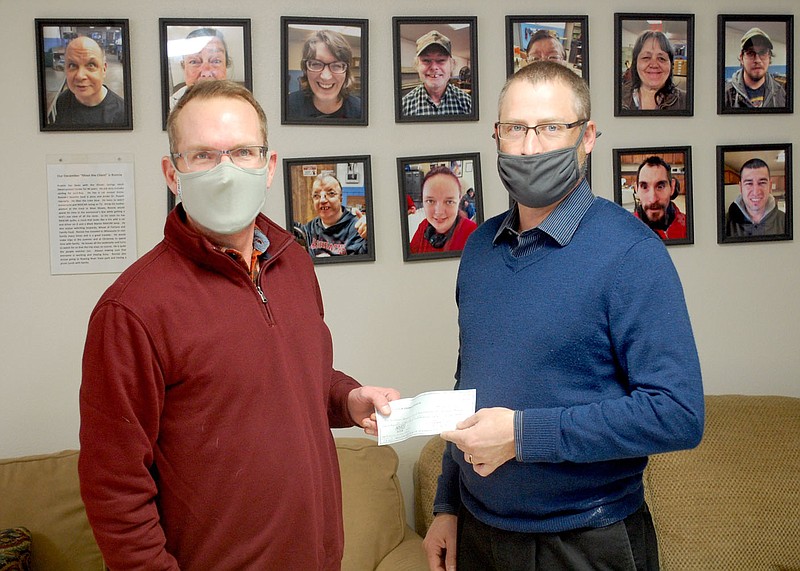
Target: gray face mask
(537,181)
(225,199)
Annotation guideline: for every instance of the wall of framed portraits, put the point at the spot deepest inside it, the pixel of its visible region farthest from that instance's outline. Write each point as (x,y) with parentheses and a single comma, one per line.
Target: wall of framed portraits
(393,315)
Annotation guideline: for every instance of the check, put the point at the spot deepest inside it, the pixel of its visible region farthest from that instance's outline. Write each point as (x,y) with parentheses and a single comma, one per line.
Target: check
(425,414)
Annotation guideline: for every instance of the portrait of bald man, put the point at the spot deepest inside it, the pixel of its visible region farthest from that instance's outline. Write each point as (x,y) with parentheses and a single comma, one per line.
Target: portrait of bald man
(87,101)
(84,75)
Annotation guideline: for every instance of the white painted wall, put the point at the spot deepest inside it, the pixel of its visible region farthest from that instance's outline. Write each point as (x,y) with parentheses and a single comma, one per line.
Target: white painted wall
(394,323)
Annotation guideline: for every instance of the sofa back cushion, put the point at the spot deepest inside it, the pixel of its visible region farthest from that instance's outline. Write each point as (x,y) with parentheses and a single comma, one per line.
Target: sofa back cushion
(42,494)
(372,502)
(733,502)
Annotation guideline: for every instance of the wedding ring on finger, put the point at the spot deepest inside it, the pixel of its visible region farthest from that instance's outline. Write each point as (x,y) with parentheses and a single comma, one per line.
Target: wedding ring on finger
(469,459)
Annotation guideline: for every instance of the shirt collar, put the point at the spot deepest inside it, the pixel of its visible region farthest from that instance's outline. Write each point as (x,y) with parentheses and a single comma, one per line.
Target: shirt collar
(260,245)
(260,241)
(560,224)
(739,201)
(447,91)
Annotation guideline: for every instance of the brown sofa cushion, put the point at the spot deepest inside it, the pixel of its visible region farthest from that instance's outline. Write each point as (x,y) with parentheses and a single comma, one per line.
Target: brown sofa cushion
(732,503)
(374,515)
(47,501)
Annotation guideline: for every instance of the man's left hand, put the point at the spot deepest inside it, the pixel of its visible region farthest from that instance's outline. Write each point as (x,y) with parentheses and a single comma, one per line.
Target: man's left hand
(362,402)
(486,438)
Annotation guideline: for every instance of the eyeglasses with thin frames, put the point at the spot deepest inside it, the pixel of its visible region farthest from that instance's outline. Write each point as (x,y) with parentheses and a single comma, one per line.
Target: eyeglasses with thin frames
(317,66)
(551,57)
(247,157)
(327,194)
(196,62)
(761,54)
(516,132)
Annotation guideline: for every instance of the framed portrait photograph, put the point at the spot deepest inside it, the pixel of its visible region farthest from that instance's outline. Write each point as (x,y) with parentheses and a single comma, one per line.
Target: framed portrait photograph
(653,64)
(329,207)
(201,49)
(84,75)
(563,39)
(441,203)
(324,71)
(754,193)
(435,68)
(655,185)
(754,64)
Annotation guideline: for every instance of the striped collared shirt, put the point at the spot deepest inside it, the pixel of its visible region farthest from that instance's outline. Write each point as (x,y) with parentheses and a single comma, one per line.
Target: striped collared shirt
(560,225)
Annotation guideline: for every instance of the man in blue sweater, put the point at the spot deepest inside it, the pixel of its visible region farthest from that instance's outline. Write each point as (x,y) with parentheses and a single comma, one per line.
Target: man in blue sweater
(575,333)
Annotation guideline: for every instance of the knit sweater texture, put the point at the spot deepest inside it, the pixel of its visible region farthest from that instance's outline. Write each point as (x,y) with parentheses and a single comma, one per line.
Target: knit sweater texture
(592,343)
(206,412)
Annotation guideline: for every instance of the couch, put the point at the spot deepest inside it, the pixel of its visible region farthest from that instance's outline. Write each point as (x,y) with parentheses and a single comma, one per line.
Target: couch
(41,494)
(732,503)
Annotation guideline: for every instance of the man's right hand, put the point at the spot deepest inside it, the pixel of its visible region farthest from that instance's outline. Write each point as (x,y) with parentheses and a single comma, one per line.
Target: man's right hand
(440,543)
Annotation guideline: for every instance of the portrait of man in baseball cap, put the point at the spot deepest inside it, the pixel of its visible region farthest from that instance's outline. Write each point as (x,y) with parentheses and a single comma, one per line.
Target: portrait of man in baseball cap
(435,69)
(755,64)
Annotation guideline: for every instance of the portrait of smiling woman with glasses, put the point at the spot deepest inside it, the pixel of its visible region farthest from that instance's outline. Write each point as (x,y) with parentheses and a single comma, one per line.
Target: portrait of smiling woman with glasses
(327,80)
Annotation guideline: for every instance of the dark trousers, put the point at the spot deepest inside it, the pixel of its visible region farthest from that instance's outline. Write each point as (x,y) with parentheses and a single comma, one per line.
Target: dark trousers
(628,545)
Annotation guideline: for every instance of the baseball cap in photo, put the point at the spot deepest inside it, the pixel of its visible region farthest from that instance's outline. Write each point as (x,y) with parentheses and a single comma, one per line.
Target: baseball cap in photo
(433,37)
(752,33)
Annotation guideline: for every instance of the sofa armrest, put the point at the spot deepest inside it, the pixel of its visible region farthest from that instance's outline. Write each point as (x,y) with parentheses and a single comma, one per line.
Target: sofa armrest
(426,477)
(42,493)
(408,556)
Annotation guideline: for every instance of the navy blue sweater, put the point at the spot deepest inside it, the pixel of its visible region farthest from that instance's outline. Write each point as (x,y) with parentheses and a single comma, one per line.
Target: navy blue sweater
(592,342)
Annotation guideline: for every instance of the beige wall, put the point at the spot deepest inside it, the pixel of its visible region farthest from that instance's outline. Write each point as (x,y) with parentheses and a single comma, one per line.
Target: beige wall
(388,330)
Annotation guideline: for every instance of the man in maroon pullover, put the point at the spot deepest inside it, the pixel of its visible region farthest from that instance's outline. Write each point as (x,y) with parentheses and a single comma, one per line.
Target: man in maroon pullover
(208,389)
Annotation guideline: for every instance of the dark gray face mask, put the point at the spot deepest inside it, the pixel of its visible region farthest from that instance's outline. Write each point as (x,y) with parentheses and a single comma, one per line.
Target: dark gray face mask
(537,181)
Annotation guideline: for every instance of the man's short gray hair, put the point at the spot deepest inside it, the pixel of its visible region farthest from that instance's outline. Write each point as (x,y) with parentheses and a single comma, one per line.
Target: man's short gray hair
(548,71)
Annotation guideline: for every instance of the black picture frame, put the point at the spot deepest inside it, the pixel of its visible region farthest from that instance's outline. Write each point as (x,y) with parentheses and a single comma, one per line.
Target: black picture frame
(628,163)
(349,37)
(462,33)
(678,30)
(410,176)
(354,174)
(730,159)
(109,37)
(731,28)
(571,32)
(175,45)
